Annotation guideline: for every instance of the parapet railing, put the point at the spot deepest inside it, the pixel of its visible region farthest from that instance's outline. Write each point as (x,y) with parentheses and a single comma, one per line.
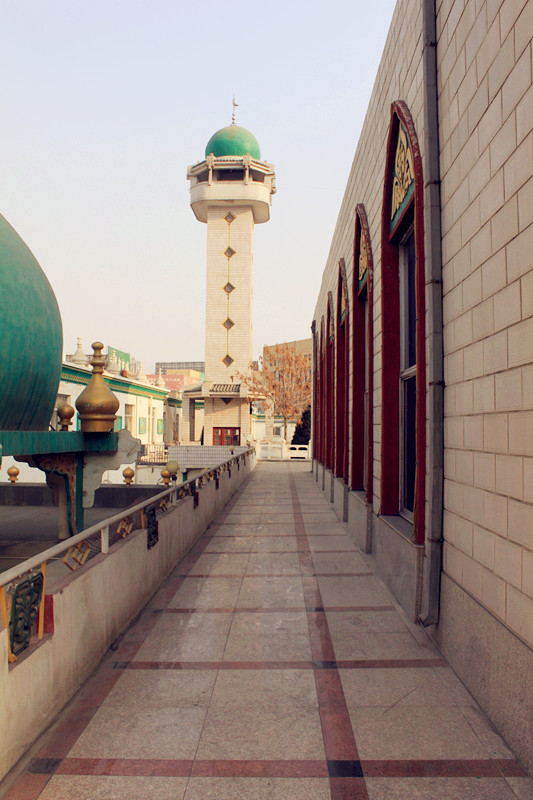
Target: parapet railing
(24,585)
(153,454)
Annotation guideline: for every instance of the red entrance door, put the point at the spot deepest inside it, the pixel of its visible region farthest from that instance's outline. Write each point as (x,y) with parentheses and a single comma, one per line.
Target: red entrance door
(227,436)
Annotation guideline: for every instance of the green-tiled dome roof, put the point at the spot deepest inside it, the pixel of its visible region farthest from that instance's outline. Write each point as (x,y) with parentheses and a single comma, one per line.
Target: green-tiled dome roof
(233,141)
(31,337)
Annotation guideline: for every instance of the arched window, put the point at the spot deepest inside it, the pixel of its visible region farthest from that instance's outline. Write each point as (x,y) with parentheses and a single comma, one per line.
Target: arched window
(322,393)
(341,398)
(314,431)
(403,434)
(330,385)
(363,358)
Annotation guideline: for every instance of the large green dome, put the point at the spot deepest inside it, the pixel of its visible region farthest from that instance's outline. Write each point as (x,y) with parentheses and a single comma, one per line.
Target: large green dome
(233,141)
(31,337)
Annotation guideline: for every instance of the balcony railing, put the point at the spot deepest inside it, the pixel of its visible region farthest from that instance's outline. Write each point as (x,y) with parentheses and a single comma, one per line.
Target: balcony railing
(153,454)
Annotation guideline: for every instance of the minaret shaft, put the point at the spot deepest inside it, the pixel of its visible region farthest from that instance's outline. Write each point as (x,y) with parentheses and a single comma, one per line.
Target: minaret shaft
(229,293)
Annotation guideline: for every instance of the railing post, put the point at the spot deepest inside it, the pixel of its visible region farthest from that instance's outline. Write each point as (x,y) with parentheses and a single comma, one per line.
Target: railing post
(104,539)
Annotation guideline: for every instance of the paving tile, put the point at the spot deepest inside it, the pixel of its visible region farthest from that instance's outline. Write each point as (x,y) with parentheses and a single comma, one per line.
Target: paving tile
(438,789)
(379,645)
(242,518)
(287,689)
(271,593)
(318,543)
(522,787)
(155,689)
(275,529)
(243,733)
(353,591)
(268,647)
(184,648)
(207,593)
(275,544)
(97,787)
(277,563)
(486,733)
(236,544)
(391,687)
(141,733)
(220,564)
(258,789)
(350,624)
(286,622)
(406,732)
(234,529)
(323,528)
(339,562)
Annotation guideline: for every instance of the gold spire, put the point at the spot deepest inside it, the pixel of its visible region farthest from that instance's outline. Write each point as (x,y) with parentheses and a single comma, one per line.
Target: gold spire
(234,104)
(97,405)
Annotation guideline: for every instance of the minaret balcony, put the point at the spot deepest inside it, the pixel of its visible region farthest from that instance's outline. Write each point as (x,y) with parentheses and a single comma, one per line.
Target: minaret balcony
(238,193)
(232,180)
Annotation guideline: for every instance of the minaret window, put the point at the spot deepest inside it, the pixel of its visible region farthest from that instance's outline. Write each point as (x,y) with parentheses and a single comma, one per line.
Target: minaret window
(229,174)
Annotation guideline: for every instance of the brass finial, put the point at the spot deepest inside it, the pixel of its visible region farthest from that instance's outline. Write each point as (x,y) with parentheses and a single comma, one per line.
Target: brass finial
(129,474)
(13,473)
(97,405)
(235,105)
(165,474)
(65,414)
(173,468)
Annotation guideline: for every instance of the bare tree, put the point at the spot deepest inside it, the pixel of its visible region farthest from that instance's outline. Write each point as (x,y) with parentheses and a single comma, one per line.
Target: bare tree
(283,380)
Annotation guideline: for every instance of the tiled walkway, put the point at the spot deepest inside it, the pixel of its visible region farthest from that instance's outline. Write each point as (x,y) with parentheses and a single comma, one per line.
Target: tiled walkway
(273,665)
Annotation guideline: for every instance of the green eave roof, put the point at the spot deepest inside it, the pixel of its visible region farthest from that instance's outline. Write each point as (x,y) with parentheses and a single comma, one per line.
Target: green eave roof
(77,375)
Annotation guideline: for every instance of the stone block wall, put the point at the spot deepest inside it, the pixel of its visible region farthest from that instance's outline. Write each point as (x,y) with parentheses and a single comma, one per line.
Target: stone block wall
(486,142)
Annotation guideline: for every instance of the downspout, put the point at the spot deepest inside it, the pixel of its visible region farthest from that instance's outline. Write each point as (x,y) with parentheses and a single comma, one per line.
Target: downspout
(432,223)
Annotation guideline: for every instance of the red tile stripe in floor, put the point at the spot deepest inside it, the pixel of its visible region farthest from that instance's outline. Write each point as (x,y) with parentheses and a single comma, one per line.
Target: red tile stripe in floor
(345,779)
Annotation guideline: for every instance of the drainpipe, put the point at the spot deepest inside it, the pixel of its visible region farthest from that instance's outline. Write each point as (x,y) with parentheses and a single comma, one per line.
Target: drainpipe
(432,223)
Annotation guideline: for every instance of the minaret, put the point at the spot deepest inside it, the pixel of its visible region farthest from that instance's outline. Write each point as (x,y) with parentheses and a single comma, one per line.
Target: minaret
(231,190)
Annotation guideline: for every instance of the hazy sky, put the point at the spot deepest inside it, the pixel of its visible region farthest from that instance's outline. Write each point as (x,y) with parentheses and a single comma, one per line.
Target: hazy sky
(105,104)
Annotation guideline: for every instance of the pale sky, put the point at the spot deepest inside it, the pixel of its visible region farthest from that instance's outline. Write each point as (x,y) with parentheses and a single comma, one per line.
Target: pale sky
(105,104)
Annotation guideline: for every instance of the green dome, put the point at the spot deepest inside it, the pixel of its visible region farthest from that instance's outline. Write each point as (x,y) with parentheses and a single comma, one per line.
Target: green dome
(31,337)
(233,141)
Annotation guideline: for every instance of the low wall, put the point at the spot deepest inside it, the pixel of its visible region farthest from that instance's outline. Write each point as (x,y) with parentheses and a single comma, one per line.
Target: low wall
(90,609)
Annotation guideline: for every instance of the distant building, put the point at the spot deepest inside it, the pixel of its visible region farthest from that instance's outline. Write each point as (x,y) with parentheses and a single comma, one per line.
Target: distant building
(177,367)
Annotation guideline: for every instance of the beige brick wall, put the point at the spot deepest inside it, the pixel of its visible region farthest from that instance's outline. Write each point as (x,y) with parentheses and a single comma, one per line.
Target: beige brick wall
(486,116)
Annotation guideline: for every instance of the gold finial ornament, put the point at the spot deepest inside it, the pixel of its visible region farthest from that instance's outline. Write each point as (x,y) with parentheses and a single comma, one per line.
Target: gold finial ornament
(165,474)
(97,405)
(13,473)
(128,474)
(65,414)
(235,105)
(173,468)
